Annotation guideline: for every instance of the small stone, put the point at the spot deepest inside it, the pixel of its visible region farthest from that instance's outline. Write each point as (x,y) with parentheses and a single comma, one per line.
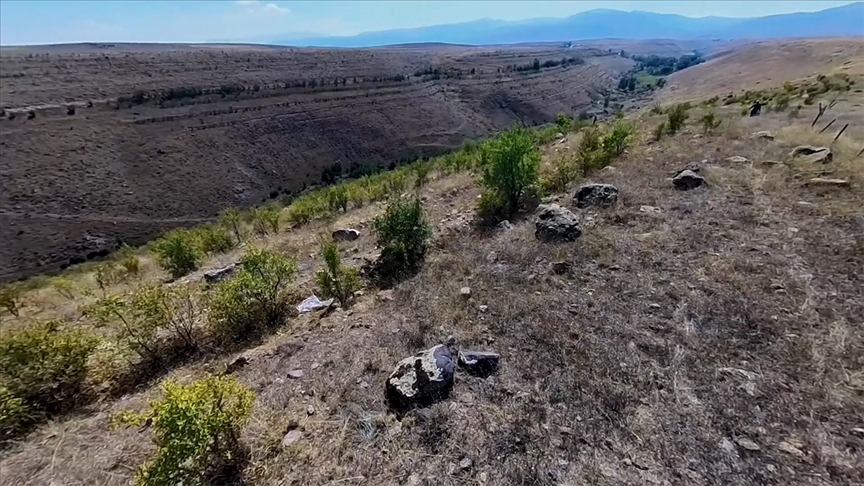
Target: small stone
(295,374)
(385,295)
(492,257)
(822,181)
(505,225)
(315,366)
(484,308)
(451,469)
(654,306)
(813,154)
(466,463)
(687,179)
(465,292)
(747,444)
(310,410)
(291,437)
(737,159)
(560,268)
(727,446)
(345,234)
(763,134)
(650,210)
(479,363)
(790,448)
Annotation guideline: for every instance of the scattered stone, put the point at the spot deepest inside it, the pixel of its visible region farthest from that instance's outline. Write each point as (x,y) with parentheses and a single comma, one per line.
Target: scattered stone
(650,209)
(313,303)
(492,257)
(315,366)
(747,444)
(554,223)
(687,180)
(465,292)
(728,447)
(346,234)
(385,295)
(813,154)
(609,169)
(654,306)
(559,135)
(737,159)
(763,134)
(560,268)
(790,448)
(236,365)
(479,363)
(295,374)
(421,380)
(466,463)
(218,275)
(484,308)
(821,181)
(310,410)
(505,225)
(291,437)
(595,195)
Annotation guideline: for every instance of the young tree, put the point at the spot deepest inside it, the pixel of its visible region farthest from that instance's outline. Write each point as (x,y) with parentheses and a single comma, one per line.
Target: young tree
(336,280)
(511,166)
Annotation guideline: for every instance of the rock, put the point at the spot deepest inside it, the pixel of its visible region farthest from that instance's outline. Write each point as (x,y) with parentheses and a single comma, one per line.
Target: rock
(313,303)
(559,135)
(556,224)
(465,292)
(385,295)
(505,225)
(791,447)
(813,154)
(560,268)
(479,363)
(763,134)
(346,234)
(291,437)
(650,210)
(687,179)
(492,257)
(236,365)
(295,374)
(747,444)
(484,308)
(737,159)
(821,181)
(421,380)
(466,463)
(596,195)
(310,410)
(218,275)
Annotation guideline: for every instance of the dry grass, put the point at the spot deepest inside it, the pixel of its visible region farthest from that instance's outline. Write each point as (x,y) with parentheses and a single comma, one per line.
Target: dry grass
(679,339)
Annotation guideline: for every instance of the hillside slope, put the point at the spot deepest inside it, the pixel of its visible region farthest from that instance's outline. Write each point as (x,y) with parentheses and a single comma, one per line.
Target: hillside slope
(162,136)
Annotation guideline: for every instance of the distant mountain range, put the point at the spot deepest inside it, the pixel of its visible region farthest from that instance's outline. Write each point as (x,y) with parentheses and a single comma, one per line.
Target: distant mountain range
(842,21)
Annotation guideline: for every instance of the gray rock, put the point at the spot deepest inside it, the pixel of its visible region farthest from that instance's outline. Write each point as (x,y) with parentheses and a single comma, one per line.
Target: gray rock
(553,223)
(295,374)
(505,225)
(687,179)
(763,134)
(291,437)
(466,463)
(385,295)
(813,154)
(822,181)
(465,292)
(595,195)
(421,380)
(737,159)
(220,274)
(479,363)
(346,234)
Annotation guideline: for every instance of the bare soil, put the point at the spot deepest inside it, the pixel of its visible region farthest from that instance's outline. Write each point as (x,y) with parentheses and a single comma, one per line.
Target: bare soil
(128,164)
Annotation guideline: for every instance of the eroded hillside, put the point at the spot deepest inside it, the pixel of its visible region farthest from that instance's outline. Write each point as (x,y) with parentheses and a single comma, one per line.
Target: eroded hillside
(102,143)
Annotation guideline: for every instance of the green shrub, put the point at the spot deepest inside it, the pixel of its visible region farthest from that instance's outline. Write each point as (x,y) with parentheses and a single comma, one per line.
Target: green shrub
(591,152)
(709,122)
(265,219)
(41,368)
(107,274)
(396,181)
(15,414)
(128,261)
(254,299)
(10,298)
(781,102)
(511,165)
(214,239)
(421,172)
(564,171)
(232,220)
(336,280)
(676,118)
(197,429)
(618,139)
(178,252)
(658,131)
(657,109)
(564,122)
(337,198)
(63,286)
(403,236)
(357,194)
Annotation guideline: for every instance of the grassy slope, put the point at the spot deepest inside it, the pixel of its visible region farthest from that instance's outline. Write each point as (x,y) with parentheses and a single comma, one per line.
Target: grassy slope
(732,314)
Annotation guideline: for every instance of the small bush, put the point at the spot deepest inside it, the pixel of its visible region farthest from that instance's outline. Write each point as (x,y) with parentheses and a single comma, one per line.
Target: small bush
(403,236)
(63,286)
(254,299)
(232,220)
(178,252)
(795,112)
(107,274)
(421,172)
(10,298)
(676,118)
(41,369)
(657,109)
(214,239)
(128,261)
(591,152)
(337,198)
(709,122)
(357,195)
(564,122)
(14,414)
(564,171)
(658,131)
(396,182)
(618,139)
(265,220)
(511,165)
(197,429)
(336,280)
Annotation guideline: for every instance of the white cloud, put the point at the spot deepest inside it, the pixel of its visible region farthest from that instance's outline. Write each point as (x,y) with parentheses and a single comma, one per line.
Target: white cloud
(256,7)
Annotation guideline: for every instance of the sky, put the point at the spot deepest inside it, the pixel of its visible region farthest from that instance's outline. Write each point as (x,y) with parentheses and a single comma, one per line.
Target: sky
(47,21)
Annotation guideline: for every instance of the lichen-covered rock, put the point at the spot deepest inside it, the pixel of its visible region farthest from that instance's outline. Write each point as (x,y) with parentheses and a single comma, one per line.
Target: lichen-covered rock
(554,223)
(421,380)
(595,195)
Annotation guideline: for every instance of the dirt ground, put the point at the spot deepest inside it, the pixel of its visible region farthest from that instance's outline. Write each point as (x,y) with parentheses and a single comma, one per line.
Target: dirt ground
(706,337)
(105,156)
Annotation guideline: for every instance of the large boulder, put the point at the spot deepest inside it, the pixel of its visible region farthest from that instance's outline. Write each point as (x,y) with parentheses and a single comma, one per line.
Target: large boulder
(813,154)
(479,363)
(421,380)
(554,223)
(595,195)
(687,179)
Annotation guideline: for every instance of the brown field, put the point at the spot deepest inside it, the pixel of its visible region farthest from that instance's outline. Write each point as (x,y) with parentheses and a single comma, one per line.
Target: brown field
(713,340)
(75,184)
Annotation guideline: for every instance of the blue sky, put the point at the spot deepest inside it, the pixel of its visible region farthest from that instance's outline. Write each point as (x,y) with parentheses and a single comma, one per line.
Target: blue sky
(45,21)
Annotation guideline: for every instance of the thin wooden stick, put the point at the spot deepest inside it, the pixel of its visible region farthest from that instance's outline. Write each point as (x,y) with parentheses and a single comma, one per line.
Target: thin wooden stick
(841,133)
(828,125)
(821,112)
